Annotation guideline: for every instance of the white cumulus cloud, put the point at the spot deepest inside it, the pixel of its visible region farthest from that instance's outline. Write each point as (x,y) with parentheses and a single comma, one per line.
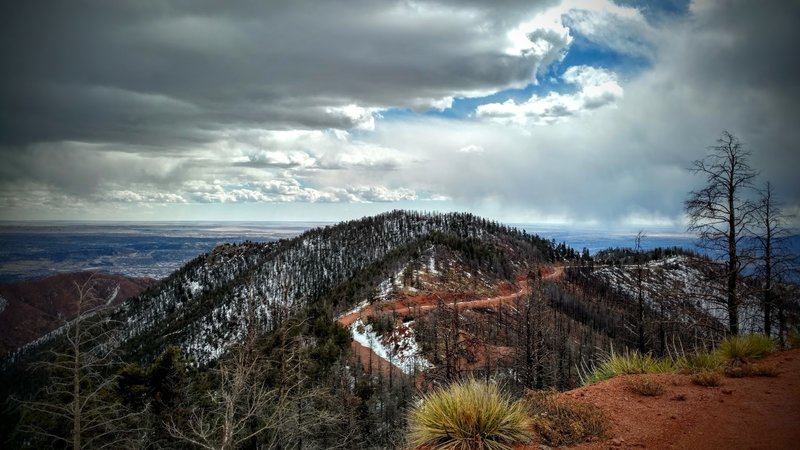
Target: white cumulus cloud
(597,87)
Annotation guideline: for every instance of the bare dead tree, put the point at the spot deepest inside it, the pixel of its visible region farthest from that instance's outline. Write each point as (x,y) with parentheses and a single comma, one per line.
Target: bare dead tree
(81,371)
(244,406)
(534,358)
(721,213)
(774,258)
(639,289)
(241,397)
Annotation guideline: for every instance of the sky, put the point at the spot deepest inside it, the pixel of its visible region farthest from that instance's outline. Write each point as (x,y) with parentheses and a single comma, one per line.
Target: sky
(573,112)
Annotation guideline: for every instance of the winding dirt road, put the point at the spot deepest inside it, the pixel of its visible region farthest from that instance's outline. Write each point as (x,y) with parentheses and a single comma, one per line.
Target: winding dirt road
(372,361)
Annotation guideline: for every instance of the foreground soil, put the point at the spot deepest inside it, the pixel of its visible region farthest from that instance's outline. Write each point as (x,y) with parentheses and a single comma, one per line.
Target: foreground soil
(742,413)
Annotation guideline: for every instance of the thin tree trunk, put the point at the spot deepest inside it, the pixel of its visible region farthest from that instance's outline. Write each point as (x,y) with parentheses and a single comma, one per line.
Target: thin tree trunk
(76,385)
(733,303)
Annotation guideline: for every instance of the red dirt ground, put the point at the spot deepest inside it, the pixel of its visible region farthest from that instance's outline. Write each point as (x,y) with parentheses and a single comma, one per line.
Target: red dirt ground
(742,413)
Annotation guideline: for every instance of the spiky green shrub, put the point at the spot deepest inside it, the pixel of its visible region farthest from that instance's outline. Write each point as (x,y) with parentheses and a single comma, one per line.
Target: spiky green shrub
(468,415)
(560,420)
(737,350)
(699,361)
(628,363)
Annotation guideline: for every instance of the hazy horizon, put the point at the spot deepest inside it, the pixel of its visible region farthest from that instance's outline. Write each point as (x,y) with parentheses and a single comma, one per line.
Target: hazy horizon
(613,229)
(155,249)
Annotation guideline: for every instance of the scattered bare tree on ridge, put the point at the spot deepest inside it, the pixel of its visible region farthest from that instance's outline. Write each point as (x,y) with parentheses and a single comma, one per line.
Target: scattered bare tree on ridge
(639,290)
(244,406)
(774,258)
(721,213)
(75,407)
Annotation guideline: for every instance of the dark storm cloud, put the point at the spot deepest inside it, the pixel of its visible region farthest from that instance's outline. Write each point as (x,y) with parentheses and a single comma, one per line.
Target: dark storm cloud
(744,58)
(82,170)
(174,72)
(752,44)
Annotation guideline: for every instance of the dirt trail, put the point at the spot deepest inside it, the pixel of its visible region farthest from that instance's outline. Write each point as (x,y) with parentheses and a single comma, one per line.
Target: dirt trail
(401,308)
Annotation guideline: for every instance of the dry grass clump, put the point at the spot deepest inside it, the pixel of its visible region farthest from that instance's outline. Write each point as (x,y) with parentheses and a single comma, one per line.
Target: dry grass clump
(645,386)
(468,415)
(707,379)
(560,420)
(751,370)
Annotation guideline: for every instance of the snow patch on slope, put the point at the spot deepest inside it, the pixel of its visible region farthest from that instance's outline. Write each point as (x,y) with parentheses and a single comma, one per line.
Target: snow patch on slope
(356,309)
(113,295)
(385,289)
(194,287)
(399,348)
(432,266)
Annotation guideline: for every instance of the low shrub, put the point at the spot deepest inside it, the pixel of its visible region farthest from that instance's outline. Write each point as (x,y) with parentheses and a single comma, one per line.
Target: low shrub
(751,370)
(644,386)
(735,372)
(793,339)
(628,363)
(560,420)
(736,350)
(468,415)
(707,379)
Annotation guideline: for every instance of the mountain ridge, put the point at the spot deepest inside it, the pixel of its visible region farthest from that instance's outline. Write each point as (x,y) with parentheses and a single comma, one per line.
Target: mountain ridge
(201,306)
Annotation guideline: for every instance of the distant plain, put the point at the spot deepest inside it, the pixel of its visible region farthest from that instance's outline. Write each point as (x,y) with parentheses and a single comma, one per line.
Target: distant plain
(155,249)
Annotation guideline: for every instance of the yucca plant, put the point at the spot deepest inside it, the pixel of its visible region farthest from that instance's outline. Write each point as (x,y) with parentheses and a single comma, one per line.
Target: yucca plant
(737,350)
(699,361)
(628,363)
(468,415)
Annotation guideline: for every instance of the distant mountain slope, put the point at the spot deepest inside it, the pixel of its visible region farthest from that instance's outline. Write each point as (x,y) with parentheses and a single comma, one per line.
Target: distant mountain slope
(683,291)
(206,305)
(30,309)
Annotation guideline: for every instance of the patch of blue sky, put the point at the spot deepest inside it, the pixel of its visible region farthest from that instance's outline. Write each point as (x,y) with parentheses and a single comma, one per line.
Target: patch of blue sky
(582,51)
(463,107)
(655,11)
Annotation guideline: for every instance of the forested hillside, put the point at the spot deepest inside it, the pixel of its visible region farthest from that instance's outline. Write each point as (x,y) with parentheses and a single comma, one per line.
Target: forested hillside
(287,293)
(326,339)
